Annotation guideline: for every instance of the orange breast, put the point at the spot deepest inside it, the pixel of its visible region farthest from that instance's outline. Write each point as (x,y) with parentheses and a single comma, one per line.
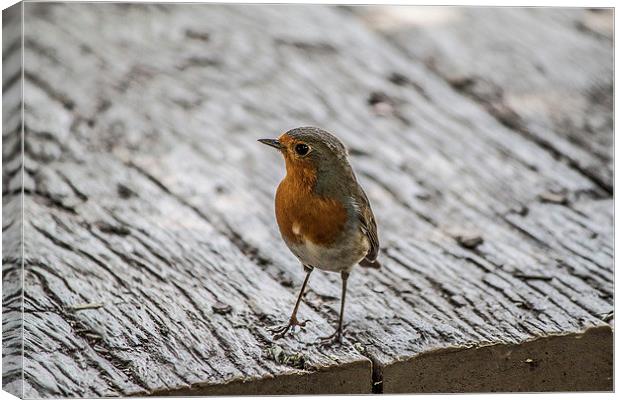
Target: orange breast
(302,215)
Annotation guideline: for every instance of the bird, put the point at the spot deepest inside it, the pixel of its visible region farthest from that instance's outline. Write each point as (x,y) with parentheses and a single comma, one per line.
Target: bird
(322,212)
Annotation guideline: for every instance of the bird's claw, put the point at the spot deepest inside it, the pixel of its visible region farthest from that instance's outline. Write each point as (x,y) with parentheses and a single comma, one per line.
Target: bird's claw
(280,331)
(335,337)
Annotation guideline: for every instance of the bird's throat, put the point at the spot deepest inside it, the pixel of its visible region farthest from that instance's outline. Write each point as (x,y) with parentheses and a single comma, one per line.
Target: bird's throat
(301,175)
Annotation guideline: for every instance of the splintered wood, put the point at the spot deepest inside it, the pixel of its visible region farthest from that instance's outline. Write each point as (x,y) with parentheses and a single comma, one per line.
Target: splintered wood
(152,261)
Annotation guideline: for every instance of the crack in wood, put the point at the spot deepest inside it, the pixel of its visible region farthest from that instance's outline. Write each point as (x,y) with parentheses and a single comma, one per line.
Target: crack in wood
(52,92)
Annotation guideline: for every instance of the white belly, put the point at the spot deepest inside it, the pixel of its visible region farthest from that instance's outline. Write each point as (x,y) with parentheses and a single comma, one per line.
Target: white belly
(341,257)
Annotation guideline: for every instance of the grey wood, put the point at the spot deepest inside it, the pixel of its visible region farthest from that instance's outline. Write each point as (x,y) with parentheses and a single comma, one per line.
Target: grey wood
(12,325)
(546,73)
(154,264)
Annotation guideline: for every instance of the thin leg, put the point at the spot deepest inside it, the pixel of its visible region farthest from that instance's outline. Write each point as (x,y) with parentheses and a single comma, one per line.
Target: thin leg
(337,336)
(345,277)
(281,331)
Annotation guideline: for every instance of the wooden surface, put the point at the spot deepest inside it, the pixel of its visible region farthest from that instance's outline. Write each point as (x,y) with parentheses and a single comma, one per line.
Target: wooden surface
(153,264)
(548,75)
(12,321)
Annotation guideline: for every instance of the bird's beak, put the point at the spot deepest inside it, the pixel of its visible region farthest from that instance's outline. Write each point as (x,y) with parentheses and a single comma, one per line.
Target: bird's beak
(271,142)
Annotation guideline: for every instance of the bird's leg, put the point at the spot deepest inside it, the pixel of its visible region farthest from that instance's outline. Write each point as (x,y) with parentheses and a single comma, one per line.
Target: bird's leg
(337,336)
(279,332)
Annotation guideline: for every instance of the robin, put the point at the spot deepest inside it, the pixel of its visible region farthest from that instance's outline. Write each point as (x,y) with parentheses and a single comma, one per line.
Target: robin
(323,213)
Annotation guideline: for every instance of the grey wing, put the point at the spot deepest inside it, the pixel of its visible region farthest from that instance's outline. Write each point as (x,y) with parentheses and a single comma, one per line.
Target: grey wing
(369,226)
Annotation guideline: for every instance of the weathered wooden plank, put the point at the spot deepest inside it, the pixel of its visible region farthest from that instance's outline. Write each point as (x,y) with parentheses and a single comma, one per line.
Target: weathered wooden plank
(533,366)
(142,295)
(547,73)
(121,303)
(141,181)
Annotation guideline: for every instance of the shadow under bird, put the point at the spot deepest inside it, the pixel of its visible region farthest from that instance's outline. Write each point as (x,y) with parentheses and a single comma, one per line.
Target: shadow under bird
(323,213)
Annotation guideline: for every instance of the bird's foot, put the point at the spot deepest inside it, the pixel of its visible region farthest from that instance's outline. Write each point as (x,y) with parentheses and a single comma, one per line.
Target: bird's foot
(280,331)
(334,338)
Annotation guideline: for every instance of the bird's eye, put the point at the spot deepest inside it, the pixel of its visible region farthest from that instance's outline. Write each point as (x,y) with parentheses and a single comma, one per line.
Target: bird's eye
(302,149)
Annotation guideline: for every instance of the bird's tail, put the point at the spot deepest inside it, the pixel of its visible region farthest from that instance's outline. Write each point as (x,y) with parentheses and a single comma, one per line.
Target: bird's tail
(366,263)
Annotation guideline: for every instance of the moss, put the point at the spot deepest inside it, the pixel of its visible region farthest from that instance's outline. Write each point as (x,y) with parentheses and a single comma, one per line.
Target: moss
(295,360)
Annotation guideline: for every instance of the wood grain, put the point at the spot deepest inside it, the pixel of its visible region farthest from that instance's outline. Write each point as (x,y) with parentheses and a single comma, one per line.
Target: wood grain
(12,207)
(546,74)
(153,262)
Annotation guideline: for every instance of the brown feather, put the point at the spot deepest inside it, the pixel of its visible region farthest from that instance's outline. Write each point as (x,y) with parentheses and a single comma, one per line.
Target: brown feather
(317,219)
(369,228)
(370,264)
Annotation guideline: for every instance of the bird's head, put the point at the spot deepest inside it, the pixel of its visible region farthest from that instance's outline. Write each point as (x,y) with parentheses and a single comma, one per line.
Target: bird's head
(310,150)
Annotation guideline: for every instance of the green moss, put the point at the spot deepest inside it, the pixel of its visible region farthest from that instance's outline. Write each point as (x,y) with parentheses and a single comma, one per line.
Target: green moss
(279,355)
